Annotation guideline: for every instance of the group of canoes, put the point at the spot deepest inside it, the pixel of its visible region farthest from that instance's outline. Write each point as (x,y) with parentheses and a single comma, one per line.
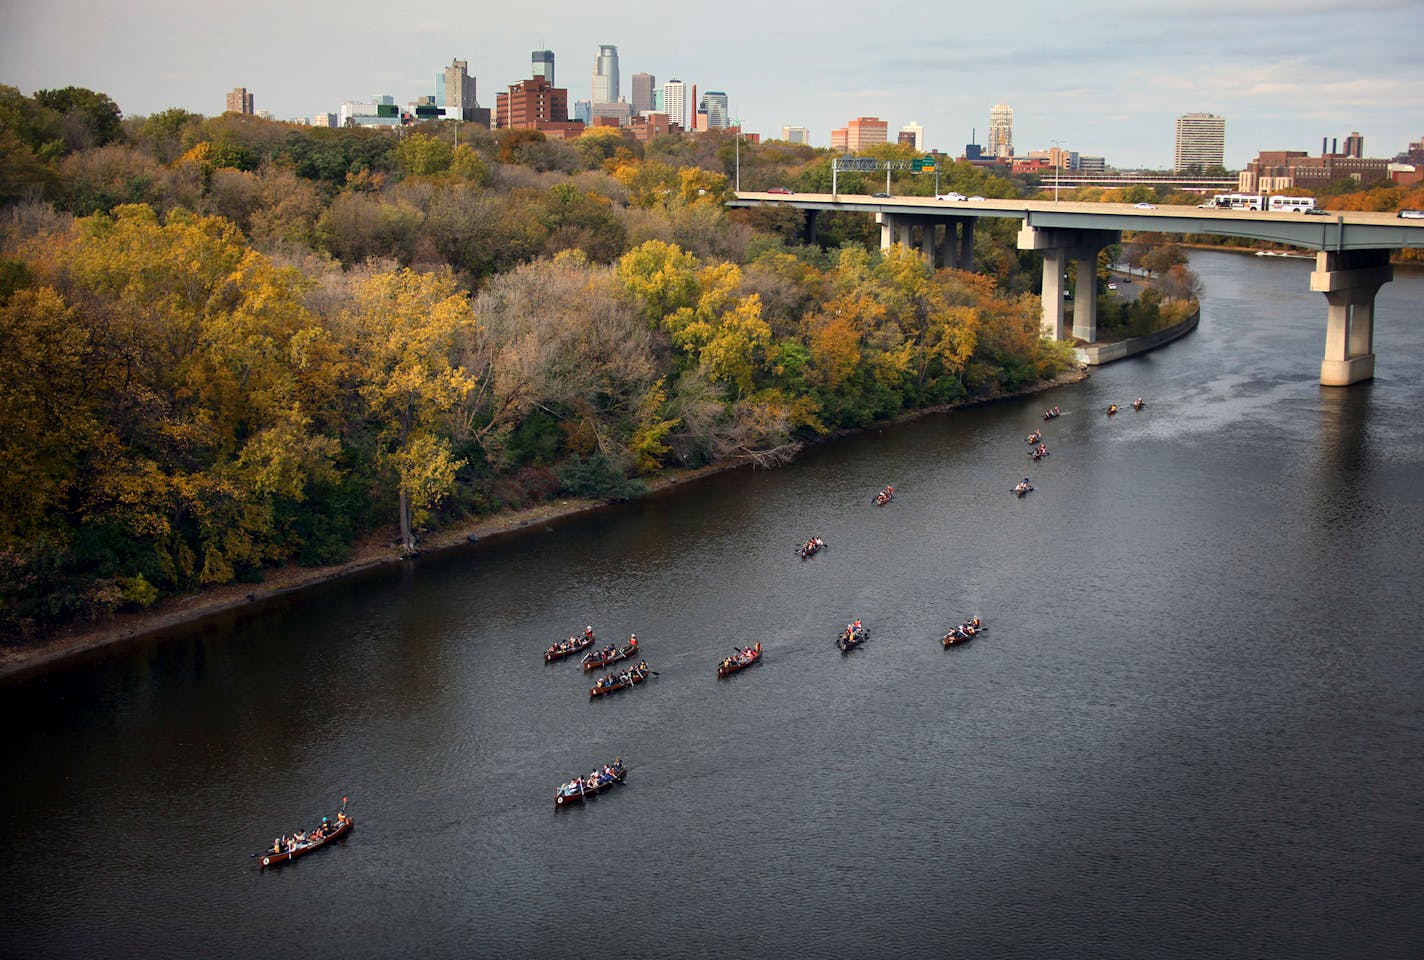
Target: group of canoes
(884,496)
(743,658)
(967,630)
(1050,414)
(1137,404)
(582,788)
(298,844)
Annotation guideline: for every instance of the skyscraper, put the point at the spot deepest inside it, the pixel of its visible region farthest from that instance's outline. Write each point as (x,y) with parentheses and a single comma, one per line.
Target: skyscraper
(1001,131)
(605,74)
(714,104)
(459,91)
(239,101)
(544,65)
(643,84)
(1201,142)
(675,103)
(917,134)
(792,134)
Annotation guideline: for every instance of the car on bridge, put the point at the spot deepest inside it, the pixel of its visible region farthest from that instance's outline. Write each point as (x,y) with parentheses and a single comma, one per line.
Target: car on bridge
(780,190)
(1411,214)
(952,196)
(1145,206)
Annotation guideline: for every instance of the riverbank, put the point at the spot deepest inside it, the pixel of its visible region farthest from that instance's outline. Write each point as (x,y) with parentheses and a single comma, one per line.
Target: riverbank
(381,548)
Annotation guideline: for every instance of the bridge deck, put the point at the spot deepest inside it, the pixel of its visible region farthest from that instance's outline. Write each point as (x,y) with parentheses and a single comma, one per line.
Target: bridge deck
(1334,231)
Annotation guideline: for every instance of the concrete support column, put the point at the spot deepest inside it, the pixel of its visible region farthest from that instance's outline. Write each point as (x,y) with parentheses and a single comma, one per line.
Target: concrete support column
(1350,280)
(927,232)
(1052,324)
(1085,298)
(887,229)
(811,226)
(965,259)
(944,246)
(1060,245)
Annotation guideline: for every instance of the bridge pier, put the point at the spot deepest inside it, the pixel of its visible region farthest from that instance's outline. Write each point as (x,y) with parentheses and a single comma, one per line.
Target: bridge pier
(1350,279)
(952,248)
(1059,246)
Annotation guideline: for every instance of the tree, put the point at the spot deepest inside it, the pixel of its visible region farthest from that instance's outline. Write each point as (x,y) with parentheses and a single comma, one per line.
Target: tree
(400,335)
(91,119)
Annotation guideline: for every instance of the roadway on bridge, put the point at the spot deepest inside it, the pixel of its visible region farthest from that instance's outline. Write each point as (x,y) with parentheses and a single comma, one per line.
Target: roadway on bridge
(1335,230)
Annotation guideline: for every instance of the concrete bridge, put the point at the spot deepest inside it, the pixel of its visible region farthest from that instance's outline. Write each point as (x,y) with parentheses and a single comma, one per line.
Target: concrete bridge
(1351,261)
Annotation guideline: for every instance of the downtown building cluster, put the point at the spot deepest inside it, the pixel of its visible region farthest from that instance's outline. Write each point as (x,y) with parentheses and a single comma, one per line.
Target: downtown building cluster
(644,109)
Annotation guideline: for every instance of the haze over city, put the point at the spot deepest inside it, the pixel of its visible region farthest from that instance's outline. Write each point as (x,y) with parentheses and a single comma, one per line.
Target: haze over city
(1104,78)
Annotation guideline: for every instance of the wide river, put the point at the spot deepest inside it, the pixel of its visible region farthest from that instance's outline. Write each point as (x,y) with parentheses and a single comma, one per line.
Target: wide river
(1194,729)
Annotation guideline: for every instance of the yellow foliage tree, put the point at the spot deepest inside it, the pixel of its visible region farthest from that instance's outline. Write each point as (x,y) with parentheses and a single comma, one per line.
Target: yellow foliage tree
(400,335)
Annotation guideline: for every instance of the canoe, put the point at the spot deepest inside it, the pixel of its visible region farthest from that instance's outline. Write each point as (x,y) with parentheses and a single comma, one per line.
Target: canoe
(950,640)
(593,661)
(811,548)
(567,795)
(848,640)
(731,665)
(566,647)
(615,682)
(270,859)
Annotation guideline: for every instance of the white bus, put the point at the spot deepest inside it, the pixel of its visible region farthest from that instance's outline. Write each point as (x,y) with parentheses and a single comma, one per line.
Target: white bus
(1296,204)
(1236,201)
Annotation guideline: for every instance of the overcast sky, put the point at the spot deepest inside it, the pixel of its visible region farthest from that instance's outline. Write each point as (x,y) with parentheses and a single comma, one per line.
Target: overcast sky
(1103,76)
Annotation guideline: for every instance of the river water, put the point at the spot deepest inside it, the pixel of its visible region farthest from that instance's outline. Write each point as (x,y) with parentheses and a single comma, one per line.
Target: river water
(1194,728)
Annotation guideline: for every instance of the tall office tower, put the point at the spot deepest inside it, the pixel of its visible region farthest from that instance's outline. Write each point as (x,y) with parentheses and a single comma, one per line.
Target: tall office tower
(605,74)
(1355,145)
(239,101)
(795,134)
(865,132)
(459,91)
(642,92)
(714,104)
(543,65)
(1001,131)
(675,103)
(917,135)
(1201,142)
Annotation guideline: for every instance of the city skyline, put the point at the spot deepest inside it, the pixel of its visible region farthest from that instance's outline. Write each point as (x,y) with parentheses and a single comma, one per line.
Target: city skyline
(1104,78)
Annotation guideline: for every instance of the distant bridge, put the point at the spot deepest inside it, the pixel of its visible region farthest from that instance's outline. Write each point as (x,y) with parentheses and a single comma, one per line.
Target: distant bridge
(1351,264)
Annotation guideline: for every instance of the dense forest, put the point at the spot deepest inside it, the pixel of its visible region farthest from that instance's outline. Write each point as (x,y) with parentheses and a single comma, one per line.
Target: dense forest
(229,343)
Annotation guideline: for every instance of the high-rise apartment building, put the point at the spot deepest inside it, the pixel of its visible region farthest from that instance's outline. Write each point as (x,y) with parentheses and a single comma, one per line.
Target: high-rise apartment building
(1001,131)
(675,103)
(714,104)
(643,99)
(1201,142)
(459,91)
(1355,145)
(543,65)
(795,134)
(605,74)
(917,135)
(239,101)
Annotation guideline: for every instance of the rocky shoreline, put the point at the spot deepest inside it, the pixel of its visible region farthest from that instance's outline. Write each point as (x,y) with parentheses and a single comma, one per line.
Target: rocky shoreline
(379,549)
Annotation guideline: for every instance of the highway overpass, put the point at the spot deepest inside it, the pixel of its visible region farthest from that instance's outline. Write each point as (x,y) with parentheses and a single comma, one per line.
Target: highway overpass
(1352,251)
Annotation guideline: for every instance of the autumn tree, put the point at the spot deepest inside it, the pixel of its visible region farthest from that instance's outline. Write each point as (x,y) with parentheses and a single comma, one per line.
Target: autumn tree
(400,337)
